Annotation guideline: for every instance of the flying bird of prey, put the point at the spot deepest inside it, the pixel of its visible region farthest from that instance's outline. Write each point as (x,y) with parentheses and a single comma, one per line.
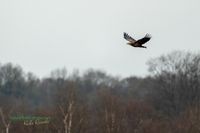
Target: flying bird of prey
(137,43)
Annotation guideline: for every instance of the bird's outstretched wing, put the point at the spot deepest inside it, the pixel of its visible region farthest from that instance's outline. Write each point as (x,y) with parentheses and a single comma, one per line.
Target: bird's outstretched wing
(129,38)
(144,39)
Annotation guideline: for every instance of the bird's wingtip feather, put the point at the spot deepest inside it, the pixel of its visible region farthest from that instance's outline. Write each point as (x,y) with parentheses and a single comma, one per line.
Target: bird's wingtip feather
(148,35)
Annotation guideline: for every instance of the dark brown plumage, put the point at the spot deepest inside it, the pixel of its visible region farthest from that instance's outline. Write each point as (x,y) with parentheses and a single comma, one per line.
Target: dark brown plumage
(137,43)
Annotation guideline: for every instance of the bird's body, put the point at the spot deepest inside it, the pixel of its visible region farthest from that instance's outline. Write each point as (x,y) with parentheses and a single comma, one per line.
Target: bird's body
(137,43)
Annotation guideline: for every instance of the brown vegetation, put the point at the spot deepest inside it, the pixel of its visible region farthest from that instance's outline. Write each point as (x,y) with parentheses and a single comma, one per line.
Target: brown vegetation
(167,101)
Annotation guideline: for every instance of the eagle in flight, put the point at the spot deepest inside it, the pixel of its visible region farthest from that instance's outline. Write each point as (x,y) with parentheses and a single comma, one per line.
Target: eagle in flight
(137,43)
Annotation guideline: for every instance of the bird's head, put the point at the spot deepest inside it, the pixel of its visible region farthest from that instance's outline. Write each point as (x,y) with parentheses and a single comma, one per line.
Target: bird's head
(128,43)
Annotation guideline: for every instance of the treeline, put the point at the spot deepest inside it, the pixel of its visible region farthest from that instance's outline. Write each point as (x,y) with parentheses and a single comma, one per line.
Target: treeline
(166,101)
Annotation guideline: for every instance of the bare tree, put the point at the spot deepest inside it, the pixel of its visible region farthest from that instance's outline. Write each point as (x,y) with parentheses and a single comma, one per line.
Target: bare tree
(73,113)
(112,113)
(177,81)
(6,121)
(59,73)
(67,113)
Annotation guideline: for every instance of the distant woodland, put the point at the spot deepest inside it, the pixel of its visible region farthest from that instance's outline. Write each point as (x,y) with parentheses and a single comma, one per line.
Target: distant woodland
(165,101)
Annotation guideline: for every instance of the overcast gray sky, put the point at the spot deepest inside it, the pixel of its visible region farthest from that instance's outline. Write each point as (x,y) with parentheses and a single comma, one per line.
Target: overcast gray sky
(42,35)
